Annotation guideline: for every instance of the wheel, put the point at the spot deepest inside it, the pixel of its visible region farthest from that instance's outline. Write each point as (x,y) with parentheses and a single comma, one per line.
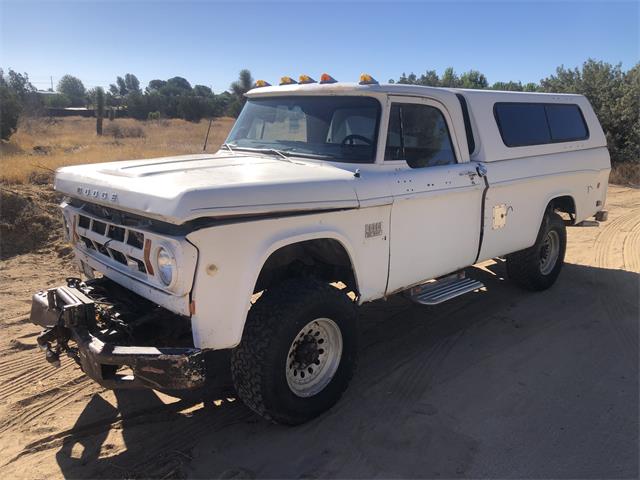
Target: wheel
(298,351)
(538,267)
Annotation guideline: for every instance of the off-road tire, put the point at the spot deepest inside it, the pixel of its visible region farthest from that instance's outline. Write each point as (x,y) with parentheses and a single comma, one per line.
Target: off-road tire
(258,364)
(524,267)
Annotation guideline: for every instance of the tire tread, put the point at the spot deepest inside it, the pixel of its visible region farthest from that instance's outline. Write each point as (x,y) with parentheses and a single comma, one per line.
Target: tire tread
(249,360)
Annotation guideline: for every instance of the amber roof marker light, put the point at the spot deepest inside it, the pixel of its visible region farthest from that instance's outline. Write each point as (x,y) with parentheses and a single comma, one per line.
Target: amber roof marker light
(261,83)
(366,79)
(303,79)
(287,81)
(326,78)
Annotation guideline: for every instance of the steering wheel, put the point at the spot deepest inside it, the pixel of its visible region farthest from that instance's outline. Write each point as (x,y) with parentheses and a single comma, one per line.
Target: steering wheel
(353,136)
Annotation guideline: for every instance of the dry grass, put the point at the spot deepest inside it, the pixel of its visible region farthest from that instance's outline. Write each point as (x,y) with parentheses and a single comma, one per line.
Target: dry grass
(42,145)
(626,174)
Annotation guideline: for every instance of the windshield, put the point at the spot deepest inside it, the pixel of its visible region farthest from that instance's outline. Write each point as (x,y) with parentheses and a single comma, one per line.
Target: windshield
(343,129)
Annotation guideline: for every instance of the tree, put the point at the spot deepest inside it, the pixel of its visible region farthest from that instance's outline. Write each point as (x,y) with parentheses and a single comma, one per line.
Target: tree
(218,105)
(429,78)
(155,86)
(125,86)
(449,78)
(192,108)
(179,84)
(122,86)
(10,109)
(73,88)
(238,89)
(243,84)
(508,86)
(138,106)
(473,79)
(202,91)
(57,101)
(20,84)
(99,101)
(629,111)
(132,83)
(31,103)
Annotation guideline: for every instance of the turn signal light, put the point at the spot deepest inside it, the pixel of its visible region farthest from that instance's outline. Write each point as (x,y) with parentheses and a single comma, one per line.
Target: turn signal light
(326,78)
(261,83)
(366,79)
(302,79)
(287,81)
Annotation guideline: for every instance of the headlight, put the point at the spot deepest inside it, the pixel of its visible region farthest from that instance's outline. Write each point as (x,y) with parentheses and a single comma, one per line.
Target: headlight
(166,265)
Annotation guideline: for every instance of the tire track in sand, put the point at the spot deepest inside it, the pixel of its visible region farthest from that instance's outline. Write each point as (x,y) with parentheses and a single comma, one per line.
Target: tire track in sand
(33,375)
(47,403)
(613,250)
(631,248)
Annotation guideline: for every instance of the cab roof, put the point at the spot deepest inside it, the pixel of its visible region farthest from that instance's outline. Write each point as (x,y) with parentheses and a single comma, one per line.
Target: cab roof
(341,88)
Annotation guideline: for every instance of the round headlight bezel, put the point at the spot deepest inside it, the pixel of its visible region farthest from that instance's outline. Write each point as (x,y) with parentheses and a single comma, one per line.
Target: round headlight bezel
(167,265)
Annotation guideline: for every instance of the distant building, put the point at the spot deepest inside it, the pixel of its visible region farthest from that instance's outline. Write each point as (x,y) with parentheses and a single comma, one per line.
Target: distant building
(71,112)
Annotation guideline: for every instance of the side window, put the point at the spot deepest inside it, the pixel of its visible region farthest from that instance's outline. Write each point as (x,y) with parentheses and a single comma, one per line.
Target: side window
(523,124)
(566,123)
(418,134)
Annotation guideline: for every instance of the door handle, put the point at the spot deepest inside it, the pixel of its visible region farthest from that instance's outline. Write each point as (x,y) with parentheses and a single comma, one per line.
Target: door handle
(480,171)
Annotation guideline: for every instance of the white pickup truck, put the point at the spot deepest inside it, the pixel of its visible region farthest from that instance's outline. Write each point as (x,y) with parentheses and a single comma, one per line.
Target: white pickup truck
(248,265)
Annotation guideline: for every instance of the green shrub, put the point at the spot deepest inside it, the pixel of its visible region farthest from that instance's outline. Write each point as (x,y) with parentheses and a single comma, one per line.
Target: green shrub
(58,100)
(10,109)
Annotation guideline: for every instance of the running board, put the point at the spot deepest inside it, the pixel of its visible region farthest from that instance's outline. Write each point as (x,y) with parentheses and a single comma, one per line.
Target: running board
(442,290)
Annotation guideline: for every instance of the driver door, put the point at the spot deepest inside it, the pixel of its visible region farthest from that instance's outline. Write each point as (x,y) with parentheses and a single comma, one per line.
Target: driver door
(435,217)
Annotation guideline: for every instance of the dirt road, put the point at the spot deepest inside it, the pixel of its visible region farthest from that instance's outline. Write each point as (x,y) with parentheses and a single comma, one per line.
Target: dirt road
(499,383)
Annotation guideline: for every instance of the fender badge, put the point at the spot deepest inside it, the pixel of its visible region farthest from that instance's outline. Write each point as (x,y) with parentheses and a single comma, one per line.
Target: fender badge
(372,230)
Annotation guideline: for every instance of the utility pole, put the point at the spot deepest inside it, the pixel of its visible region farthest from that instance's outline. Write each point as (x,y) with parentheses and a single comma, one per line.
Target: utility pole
(51,77)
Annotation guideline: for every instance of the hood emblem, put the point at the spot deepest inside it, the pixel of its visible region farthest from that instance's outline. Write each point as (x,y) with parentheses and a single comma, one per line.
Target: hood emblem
(97,194)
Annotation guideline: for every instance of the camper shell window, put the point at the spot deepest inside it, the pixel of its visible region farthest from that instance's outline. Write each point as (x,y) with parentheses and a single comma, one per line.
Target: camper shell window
(525,124)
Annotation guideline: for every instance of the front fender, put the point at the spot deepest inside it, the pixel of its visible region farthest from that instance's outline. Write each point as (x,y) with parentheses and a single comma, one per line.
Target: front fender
(230,258)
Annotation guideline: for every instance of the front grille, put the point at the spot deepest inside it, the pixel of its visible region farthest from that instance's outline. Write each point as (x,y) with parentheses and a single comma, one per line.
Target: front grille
(135,239)
(119,243)
(117,233)
(98,227)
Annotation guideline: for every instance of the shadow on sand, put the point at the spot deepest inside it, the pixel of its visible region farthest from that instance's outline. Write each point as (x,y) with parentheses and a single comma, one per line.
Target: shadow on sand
(498,383)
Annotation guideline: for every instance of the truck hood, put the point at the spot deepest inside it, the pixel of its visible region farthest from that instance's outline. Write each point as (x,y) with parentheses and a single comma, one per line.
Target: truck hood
(182,188)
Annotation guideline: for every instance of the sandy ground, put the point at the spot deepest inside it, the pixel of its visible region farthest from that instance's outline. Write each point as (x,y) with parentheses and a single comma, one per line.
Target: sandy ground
(500,383)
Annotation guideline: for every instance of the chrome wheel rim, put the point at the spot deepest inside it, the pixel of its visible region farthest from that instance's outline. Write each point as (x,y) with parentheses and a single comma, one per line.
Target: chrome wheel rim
(549,252)
(314,357)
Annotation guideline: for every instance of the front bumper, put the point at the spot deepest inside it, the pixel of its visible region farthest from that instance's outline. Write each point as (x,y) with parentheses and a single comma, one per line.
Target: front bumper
(67,314)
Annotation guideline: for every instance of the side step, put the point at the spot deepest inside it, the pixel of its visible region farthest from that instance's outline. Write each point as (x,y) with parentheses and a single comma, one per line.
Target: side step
(442,290)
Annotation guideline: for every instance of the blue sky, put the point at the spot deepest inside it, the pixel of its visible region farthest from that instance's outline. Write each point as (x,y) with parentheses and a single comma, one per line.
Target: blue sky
(208,42)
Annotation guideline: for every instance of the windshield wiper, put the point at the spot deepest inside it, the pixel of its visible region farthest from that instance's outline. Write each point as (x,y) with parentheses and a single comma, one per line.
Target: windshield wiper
(228,147)
(281,153)
(312,155)
(273,151)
